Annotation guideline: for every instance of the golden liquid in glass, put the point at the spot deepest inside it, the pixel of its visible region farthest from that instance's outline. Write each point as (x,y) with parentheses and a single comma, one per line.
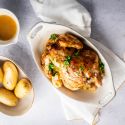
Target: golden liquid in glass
(8,27)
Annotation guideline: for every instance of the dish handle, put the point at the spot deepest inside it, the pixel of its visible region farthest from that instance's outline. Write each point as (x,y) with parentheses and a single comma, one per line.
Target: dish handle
(34,31)
(107,99)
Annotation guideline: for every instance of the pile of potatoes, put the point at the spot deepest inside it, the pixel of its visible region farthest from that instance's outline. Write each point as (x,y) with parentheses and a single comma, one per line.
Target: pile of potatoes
(12,88)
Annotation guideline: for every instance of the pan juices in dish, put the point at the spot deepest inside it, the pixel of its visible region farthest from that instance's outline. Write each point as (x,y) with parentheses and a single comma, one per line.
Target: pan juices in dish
(68,62)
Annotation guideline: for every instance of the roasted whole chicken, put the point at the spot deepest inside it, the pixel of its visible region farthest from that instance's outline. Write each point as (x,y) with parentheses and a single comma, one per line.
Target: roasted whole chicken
(68,62)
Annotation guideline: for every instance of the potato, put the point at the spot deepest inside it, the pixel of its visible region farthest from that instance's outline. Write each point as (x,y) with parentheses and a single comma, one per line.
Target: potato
(1,75)
(10,75)
(23,87)
(7,97)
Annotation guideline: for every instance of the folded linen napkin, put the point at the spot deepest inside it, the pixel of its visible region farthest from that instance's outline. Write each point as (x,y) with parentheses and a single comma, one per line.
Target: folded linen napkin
(70,13)
(67,12)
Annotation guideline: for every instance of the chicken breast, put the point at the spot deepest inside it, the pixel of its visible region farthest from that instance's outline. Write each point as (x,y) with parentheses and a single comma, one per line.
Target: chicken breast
(67,62)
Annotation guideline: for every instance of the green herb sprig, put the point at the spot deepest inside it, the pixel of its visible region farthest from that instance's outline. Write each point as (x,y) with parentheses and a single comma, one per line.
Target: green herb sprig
(51,66)
(76,53)
(67,60)
(53,36)
(51,69)
(101,66)
(82,68)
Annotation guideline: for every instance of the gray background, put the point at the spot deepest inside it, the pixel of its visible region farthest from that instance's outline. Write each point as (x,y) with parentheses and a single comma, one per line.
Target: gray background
(108,27)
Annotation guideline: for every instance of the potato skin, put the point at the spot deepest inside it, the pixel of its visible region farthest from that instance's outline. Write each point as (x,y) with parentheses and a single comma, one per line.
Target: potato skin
(23,87)
(1,75)
(10,75)
(7,97)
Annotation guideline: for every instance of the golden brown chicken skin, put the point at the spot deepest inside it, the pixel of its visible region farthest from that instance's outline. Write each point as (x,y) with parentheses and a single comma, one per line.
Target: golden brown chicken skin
(67,62)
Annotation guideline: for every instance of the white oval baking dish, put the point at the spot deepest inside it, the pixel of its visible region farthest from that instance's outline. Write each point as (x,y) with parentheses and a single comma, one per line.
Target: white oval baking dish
(38,37)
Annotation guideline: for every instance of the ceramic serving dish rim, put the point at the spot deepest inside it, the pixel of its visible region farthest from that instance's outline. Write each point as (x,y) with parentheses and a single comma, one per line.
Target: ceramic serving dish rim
(85,38)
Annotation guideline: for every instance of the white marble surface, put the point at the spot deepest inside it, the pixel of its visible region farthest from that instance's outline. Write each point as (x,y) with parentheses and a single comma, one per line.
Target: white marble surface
(108,27)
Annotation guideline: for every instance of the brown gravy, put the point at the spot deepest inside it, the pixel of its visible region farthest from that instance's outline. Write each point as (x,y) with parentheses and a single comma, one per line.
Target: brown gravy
(8,27)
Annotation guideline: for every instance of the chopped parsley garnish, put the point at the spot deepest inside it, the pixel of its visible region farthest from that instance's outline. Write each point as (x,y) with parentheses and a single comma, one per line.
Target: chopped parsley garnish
(51,66)
(101,66)
(76,53)
(82,68)
(51,69)
(67,60)
(53,36)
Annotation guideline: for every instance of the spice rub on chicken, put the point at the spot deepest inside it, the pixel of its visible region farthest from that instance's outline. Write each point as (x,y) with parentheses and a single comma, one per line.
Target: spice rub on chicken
(68,62)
